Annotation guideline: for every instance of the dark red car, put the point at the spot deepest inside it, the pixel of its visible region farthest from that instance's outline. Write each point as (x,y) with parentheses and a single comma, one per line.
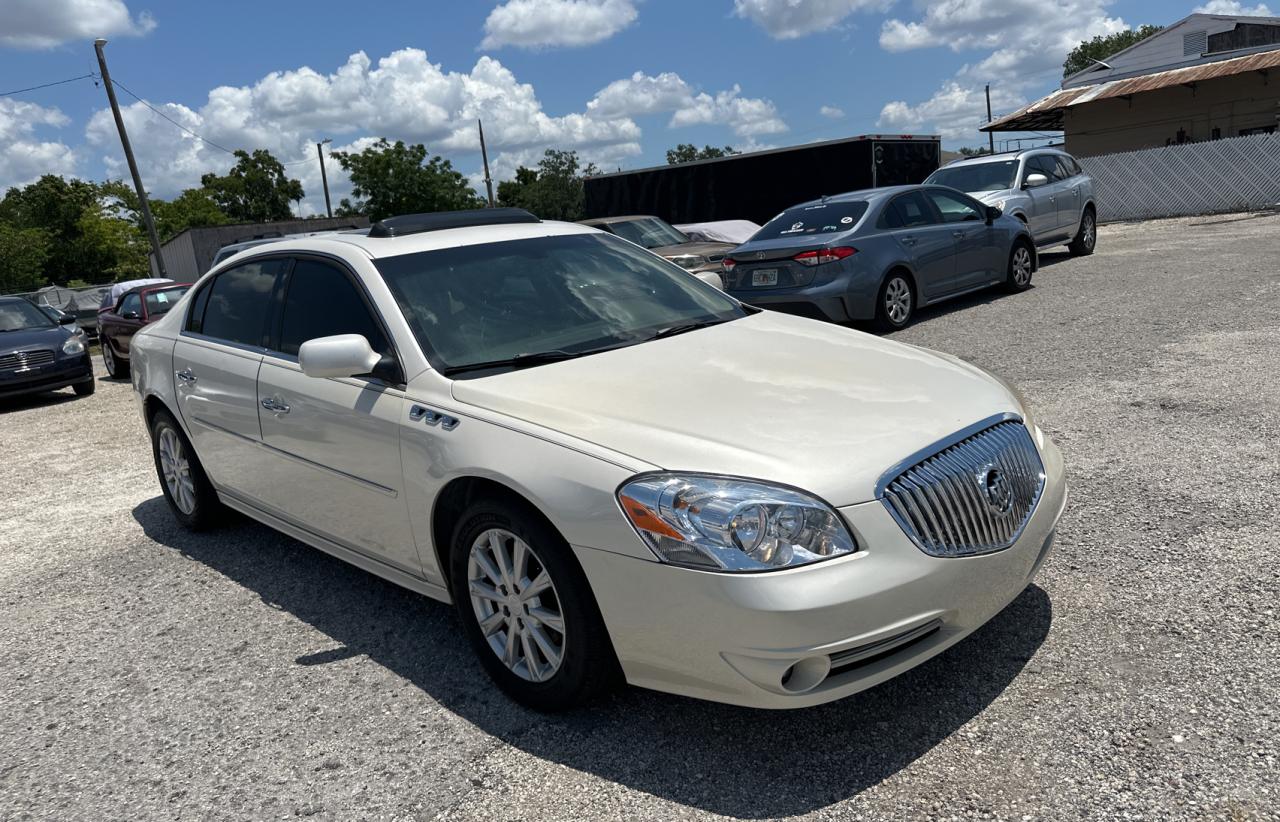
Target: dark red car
(118,323)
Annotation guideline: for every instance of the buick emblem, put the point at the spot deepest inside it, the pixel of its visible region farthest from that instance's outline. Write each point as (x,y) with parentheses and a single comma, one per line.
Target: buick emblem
(995,489)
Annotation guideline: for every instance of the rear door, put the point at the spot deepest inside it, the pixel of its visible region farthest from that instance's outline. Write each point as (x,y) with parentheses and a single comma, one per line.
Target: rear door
(977,256)
(925,240)
(333,443)
(1071,200)
(216,362)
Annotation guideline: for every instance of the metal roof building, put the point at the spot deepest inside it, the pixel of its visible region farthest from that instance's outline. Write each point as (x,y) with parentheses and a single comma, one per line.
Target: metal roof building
(1206,77)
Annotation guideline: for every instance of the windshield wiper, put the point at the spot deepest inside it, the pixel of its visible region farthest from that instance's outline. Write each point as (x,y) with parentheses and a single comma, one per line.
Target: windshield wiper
(518,361)
(672,330)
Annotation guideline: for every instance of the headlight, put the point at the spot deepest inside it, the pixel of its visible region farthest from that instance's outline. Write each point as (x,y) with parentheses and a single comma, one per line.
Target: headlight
(689,261)
(727,524)
(73,345)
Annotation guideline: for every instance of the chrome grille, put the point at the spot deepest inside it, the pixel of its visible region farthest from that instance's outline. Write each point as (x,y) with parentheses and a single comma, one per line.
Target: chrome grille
(972,496)
(25,359)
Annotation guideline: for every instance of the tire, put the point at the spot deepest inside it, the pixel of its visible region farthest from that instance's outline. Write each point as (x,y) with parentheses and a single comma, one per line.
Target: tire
(84,389)
(1021,266)
(194,503)
(116,369)
(896,302)
(489,588)
(1086,239)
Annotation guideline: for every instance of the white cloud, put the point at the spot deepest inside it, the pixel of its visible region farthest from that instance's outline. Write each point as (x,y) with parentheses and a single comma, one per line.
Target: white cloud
(832,113)
(1027,42)
(645,94)
(549,23)
(1234,7)
(42,24)
(789,19)
(403,96)
(25,157)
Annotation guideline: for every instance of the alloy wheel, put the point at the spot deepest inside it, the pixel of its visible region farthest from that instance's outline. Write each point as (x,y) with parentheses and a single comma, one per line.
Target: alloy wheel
(108,358)
(1021,265)
(176,471)
(1089,232)
(516,605)
(897,300)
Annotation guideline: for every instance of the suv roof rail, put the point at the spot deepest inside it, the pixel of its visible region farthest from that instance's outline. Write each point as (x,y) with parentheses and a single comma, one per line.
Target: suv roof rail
(438,221)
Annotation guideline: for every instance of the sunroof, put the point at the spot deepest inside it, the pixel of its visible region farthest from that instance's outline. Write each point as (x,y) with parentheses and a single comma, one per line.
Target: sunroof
(440,220)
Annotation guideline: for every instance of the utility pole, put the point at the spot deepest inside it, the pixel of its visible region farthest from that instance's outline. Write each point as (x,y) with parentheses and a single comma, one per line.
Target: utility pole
(323,176)
(991,135)
(128,156)
(488,182)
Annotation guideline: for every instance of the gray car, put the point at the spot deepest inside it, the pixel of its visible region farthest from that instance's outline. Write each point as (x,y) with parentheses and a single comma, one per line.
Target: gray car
(879,254)
(1043,187)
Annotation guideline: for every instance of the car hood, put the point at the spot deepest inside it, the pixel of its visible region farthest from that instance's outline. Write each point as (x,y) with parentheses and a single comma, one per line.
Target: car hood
(992,197)
(33,338)
(771,396)
(702,249)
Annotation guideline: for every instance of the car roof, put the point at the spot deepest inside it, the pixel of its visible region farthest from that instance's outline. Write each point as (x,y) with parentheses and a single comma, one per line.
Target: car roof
(380,247)
(147,289)
(1005,156)
(621,219)
(870,195)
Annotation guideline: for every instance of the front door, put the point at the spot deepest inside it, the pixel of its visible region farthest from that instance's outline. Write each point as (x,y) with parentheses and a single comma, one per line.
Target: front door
(215,364)
(1042,217)
(118,326)
(926,241)
(333,443)
(978,259)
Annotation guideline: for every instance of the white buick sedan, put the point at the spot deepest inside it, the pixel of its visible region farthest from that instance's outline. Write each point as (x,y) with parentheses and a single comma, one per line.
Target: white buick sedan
(611,468)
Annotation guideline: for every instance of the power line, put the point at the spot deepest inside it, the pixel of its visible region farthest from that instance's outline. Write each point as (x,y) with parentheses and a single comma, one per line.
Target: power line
(161,114)
(89,76)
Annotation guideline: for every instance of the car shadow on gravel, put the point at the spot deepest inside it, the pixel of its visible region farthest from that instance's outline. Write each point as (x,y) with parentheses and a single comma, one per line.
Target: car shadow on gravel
(718,758)
(46,399)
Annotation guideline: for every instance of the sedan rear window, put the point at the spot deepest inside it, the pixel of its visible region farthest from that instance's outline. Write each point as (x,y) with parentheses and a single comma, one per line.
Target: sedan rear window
(993,176)
(819,218)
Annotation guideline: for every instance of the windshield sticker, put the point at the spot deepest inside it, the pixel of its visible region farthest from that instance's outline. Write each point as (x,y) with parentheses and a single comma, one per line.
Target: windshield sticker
(795,227)
(830,228)
(846,220)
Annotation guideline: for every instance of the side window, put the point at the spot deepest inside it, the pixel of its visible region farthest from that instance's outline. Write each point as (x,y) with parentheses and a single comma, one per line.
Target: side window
(954,209)
(132,302)
(1065,170)
(908,211)
(323,301)
(195,317)
(239,301)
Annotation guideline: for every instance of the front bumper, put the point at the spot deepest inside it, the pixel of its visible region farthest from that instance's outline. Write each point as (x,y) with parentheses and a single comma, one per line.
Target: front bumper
(801,637)
(60,373)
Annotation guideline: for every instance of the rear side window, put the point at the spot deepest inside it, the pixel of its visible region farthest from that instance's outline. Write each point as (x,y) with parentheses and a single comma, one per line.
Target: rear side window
(322,301)
(907,211)
(819,218)
(234,307)
(1067,167)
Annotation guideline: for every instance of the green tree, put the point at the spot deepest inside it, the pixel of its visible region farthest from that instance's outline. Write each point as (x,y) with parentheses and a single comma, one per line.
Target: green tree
(193,208)
(23,254)
(1102,47)
(255,190)
(553,190)
(389,179)
(967,151)
(54,205)
(118,240)
(688,152)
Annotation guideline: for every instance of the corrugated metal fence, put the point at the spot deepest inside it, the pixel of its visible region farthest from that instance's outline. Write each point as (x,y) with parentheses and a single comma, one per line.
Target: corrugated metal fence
(1238,174)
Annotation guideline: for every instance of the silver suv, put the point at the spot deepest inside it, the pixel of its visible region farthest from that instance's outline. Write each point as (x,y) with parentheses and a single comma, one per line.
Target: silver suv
(1043,187)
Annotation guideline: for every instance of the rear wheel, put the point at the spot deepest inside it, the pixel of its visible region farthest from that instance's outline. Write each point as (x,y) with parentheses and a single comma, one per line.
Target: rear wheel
(896,302)
(117,369)
(527,609)
(1086,238)
(1021,267)
(182,479)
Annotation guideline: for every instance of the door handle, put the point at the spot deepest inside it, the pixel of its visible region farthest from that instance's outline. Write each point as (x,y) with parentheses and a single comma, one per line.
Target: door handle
(958,234)
(908,240)
(186,376)
(275,406)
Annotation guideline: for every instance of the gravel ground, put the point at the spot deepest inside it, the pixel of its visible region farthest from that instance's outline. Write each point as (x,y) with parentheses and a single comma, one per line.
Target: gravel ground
(153,673)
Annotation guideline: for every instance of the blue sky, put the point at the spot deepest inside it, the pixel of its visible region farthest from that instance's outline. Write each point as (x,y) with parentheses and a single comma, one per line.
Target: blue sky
(618,80)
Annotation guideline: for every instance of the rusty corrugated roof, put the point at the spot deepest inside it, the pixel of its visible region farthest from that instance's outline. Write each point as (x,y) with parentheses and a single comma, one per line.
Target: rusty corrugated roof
(1046,113)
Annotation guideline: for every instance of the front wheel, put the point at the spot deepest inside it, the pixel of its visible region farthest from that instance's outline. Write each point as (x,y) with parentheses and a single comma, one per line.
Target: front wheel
(115,368)
(1086,238)
(527,609)
(1021,267)
(896,302)
(182,479)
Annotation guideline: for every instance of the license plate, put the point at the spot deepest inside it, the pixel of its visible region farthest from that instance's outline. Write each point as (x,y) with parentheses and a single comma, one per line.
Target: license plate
(764,276)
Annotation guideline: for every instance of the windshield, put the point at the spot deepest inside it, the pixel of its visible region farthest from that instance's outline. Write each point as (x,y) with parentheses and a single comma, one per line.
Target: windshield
(159,302)
(20,315)
(818,218)
(571,294)
(994,176)
(648,232)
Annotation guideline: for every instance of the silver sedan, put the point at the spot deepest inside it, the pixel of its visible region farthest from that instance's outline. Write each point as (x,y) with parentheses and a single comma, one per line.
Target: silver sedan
(880,254)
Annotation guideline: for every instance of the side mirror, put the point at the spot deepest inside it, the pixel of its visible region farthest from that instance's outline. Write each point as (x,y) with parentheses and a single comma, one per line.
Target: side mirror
(129,315)
(342,355)
(993,214)
(1035,180)
(66,319)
